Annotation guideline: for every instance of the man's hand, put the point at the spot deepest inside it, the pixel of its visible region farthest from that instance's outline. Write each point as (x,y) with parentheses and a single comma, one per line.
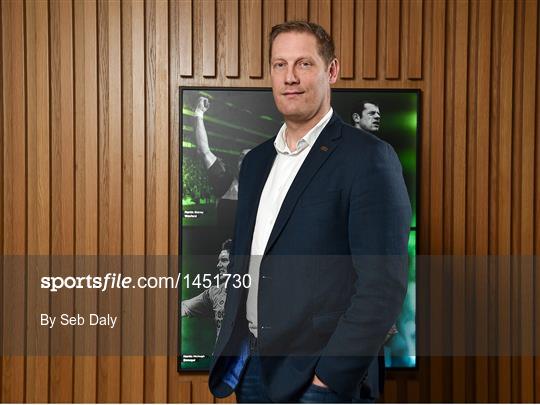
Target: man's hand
(202,106)
(318,382)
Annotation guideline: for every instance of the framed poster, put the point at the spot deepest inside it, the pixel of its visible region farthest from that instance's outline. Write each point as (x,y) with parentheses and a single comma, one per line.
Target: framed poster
(218,127)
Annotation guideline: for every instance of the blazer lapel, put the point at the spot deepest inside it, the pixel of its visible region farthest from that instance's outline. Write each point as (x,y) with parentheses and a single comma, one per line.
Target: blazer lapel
(320,151)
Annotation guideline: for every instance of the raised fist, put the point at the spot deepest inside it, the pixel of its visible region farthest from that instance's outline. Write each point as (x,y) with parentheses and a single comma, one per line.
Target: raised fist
(202,106)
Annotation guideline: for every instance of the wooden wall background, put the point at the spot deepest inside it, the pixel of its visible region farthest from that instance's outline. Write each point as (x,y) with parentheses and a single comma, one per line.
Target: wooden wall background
(89,117)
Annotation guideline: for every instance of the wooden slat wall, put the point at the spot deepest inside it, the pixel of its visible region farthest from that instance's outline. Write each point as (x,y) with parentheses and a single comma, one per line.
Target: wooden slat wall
(89,138)
(157,196)
(86,183)
(109,190)
(133,198)
(14,196)
(62,192)
(480,176)
(38,136)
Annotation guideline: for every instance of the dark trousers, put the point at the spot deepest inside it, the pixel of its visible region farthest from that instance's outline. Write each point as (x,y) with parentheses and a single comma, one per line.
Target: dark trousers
(251,389)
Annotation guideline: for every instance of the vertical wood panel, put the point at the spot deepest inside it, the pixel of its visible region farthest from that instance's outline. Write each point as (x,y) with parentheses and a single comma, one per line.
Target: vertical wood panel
(414,39)
(393,45)
(450,281)
(481,215)
(110,196)
(536,238)
(274,13)
(459,107)
(450,122)
(14,204)
(413,391)
(253,35)
(504,191)
(176,390)
(133,199)
(471,266)
(184,17)
(381,41)
(13,48)
(184,389)
(536,220)
(37,101)
(320,12)
(515,219)
(62,193)
(157,198)
(495,363)
(86,196)
(527,201)
(208,20)
(370,44)
(359,40)
(231,38)
(346,53)
(336,28)
(423,275)
(437,381)
(391,391)
(437,134)
(200,392)
(297,10)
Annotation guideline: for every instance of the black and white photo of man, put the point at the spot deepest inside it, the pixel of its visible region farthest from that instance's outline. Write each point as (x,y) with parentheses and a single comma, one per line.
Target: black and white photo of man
(211,302)
(369,117)
(222,178)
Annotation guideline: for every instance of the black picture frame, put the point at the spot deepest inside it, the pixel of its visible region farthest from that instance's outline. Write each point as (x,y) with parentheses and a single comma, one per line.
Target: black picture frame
(249,108)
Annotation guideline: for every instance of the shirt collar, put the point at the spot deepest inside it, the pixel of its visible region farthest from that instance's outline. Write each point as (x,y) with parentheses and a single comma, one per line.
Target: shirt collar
(308,139)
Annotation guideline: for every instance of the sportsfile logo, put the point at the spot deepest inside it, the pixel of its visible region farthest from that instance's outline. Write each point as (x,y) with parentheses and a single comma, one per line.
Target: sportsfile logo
(108,281)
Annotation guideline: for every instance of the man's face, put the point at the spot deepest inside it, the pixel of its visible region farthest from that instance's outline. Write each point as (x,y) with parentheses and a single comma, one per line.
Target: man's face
(223,262)
(300,77)
(370,120)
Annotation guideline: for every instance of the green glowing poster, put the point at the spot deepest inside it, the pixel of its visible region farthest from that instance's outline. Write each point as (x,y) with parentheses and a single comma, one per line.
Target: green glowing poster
(218,126)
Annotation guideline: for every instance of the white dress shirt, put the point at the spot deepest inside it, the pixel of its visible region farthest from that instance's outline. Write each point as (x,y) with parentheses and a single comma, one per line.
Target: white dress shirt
(284,169)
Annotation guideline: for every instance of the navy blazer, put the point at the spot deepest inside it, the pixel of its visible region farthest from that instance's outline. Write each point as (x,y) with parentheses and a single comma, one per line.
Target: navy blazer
(334,274)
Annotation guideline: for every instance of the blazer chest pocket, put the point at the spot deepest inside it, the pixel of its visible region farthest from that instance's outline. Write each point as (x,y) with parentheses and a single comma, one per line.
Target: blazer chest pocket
(326,323)
(329,197)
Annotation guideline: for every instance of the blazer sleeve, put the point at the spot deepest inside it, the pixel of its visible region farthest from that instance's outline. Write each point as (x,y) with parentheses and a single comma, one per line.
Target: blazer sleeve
(379,224)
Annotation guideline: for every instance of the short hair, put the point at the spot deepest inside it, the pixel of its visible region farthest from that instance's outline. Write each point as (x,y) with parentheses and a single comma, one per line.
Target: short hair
(324,40)
(227,245)
(362,105)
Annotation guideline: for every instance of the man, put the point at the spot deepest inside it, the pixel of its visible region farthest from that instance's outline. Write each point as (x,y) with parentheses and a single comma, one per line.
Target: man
(369,118)
(223,179)
(211,302)
(321,229)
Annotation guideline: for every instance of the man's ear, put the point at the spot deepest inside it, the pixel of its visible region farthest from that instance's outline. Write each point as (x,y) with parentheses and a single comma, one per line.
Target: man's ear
(356,117)
(333,71)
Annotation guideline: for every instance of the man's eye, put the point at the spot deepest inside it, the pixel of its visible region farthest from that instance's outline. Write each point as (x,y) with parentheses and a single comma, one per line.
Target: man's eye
(278,65)
(305,64)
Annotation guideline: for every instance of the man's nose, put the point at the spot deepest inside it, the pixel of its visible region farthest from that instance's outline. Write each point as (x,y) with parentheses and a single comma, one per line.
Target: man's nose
(291,77)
